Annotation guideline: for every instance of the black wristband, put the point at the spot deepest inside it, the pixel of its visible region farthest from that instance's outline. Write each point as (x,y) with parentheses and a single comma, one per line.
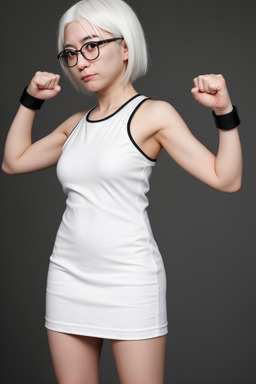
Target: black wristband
(29,101)
(227,121)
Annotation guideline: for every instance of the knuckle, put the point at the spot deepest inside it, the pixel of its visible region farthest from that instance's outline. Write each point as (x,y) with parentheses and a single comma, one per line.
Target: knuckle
(211,84)
(38,75)
(220,78)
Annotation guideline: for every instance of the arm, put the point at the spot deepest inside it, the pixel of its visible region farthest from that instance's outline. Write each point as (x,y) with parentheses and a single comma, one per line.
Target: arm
(222,172)
(20,154)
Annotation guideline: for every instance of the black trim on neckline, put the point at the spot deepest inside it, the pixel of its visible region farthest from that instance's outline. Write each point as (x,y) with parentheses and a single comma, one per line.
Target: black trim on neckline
(129,131)
(108,117)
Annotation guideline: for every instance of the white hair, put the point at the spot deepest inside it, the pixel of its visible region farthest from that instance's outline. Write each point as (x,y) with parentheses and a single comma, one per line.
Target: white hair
(117,18)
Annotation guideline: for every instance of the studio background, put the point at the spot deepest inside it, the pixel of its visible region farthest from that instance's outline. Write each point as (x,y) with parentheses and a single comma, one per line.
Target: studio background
(207,238)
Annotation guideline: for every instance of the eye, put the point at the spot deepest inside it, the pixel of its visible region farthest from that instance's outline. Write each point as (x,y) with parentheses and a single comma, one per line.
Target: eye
(91,46)
(69,53)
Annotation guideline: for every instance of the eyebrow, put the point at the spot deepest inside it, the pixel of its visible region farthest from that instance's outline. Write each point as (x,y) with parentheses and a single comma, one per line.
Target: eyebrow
(82,41)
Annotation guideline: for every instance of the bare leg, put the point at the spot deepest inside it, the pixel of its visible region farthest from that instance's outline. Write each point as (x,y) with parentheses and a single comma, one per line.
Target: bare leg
(75,358)
(140,361)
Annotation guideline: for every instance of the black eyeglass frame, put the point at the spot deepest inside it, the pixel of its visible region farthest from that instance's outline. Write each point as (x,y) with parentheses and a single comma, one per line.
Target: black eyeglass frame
(97,44)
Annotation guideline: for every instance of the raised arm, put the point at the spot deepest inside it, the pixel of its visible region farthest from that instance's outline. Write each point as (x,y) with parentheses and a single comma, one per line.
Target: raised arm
(20,154)
(222,172)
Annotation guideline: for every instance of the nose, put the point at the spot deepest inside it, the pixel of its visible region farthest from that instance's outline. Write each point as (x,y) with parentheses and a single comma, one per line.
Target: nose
(82,62)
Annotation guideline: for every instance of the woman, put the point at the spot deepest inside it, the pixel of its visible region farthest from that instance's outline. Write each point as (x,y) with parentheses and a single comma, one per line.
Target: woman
(106,276)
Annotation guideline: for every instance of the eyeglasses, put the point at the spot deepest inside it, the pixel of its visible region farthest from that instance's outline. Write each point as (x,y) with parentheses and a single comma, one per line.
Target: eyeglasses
(90,51)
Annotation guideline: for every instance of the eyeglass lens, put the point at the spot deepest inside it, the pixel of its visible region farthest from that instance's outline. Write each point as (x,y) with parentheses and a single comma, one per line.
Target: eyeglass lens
(90,51)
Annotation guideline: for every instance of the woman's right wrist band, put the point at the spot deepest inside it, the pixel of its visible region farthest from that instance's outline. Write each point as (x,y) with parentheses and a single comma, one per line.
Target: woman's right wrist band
(228,121)
(29,101)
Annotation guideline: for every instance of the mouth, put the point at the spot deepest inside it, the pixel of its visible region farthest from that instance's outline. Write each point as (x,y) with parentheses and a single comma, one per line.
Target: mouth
(87,77)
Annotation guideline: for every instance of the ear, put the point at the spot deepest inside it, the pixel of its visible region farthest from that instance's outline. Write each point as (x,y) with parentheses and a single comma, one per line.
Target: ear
(125,50)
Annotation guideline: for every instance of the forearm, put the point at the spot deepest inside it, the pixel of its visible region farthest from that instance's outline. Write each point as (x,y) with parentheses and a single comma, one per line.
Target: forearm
(228,163)
(19,137)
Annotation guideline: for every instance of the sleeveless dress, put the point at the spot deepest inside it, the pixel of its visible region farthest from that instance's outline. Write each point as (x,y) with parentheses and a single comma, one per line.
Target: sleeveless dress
(106,275)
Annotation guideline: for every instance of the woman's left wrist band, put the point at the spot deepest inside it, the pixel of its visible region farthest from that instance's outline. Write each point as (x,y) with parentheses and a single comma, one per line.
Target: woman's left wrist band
(29,101)
(228,121)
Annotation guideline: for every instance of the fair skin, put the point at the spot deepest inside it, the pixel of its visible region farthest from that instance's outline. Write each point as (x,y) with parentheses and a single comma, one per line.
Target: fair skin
(155,125)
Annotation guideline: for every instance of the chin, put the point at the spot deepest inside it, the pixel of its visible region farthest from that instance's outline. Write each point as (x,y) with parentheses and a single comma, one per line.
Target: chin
(91,88)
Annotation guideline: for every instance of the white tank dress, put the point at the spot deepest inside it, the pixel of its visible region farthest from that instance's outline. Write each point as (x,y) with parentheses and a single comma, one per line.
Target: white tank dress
(106,275)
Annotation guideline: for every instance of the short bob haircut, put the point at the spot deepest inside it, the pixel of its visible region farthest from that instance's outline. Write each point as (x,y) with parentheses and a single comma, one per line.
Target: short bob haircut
(117,18)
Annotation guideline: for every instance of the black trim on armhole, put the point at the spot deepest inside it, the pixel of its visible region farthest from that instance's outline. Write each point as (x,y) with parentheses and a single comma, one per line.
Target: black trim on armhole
(129,130)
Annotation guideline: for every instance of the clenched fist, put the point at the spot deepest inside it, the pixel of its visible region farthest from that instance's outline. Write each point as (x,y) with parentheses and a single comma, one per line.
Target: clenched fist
(44,85)
(211,91)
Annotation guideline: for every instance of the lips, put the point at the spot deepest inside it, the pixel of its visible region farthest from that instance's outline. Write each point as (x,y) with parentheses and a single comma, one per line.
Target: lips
(87,77)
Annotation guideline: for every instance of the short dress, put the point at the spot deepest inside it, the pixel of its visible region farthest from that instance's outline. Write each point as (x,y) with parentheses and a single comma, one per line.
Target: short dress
(106,276)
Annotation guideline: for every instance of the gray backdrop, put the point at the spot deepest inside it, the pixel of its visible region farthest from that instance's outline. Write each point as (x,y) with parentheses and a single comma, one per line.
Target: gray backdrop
(207,238)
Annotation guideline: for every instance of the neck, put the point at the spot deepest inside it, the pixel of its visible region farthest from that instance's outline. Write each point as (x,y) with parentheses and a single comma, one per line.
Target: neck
(111,99)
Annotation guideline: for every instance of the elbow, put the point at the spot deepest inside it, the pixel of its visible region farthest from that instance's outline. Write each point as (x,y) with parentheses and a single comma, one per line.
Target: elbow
(238,186)
(235,187)
(7,169)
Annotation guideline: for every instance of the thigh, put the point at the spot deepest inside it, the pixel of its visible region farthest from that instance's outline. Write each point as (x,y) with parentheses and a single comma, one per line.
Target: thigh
(140,361)
(75,358)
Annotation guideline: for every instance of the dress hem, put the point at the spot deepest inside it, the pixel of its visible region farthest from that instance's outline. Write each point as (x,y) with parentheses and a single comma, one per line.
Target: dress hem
(107,334)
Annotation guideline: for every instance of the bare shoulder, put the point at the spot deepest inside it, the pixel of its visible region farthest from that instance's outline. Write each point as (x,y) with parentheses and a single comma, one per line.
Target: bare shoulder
(68,125)
(156,106)
(158,114)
